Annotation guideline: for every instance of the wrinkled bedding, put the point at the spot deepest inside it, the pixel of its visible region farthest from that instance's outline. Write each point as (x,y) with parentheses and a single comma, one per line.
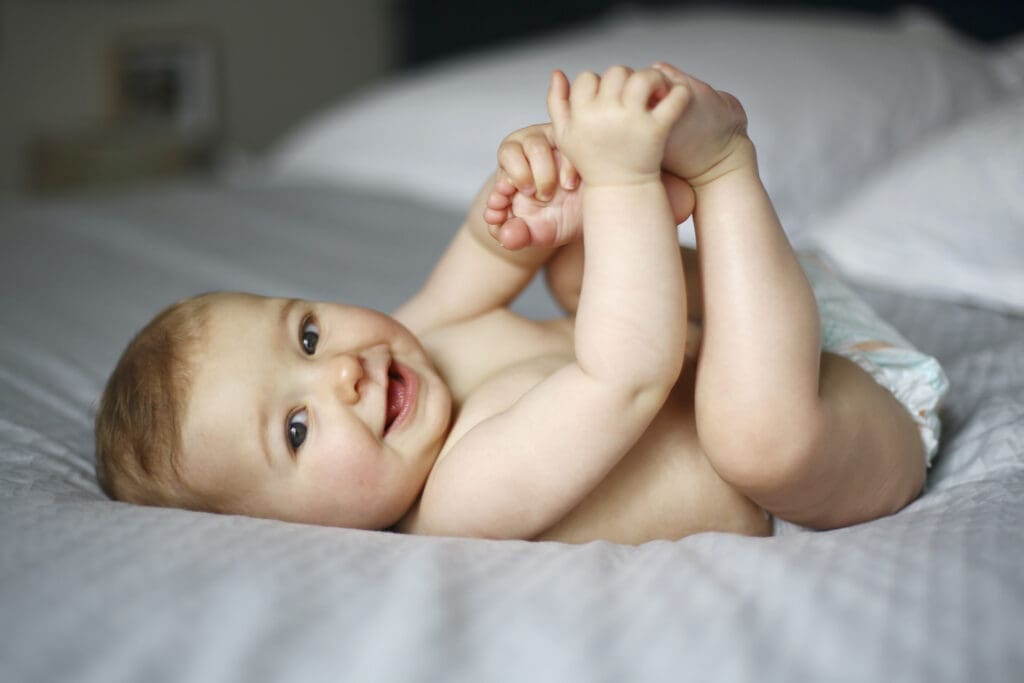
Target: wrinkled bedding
(94,590)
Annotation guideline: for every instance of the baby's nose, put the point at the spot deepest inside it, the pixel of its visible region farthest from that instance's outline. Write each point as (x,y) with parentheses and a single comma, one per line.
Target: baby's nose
(348,370)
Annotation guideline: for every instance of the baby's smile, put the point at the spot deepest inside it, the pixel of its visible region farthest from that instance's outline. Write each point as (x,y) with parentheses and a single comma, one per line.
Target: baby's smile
(403,386)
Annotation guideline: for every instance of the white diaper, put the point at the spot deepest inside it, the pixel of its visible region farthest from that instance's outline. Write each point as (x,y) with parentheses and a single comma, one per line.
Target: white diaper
(851,329)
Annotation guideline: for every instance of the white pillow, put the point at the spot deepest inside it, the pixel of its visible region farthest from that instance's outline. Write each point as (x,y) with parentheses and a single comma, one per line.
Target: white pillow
(1008,63)
(946,221)
(829,98)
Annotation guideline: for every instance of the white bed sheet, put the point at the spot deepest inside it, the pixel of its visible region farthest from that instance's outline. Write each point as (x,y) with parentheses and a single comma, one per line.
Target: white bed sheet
(93,590)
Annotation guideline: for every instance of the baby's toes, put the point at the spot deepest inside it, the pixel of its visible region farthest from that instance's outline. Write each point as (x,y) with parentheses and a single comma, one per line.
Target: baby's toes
(505,186)
(498,201)
(514,234)
(496,208)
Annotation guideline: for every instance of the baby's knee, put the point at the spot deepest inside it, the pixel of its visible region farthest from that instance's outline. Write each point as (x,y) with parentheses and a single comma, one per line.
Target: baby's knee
(763,458)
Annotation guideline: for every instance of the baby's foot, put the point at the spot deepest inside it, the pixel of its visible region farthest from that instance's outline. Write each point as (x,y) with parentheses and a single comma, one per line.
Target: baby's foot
(519,220)
(713,126)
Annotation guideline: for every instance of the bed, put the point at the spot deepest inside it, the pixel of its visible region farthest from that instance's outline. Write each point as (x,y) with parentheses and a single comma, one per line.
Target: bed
(892,144)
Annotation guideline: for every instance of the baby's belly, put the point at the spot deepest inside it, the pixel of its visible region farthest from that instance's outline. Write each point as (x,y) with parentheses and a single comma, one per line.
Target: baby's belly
(663,488)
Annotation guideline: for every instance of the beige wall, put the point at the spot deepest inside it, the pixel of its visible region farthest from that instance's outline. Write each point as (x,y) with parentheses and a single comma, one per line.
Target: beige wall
(281,59)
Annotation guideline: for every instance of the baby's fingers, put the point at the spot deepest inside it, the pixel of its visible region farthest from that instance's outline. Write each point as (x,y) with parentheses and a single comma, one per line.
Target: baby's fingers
(671,73)
(614,80)
(541,159)
(645,88)
(513,161)
(568,176)
(672,106)
(558,100)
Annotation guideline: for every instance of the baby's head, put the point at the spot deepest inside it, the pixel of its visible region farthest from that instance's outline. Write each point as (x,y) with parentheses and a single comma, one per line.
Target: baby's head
(308,412)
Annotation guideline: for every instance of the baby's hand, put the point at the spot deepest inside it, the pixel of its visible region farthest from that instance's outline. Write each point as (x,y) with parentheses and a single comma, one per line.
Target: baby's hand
(710,138)
(613,128)
(534,201)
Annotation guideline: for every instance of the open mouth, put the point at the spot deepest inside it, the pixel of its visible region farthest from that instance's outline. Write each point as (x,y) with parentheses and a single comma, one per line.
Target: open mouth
(401,394)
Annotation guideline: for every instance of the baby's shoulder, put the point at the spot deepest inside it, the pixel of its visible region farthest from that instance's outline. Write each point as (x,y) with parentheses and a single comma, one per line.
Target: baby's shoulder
(470,351)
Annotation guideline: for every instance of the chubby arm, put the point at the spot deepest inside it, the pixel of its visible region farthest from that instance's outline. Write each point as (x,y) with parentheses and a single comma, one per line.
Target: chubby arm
(564,275)
(520,471)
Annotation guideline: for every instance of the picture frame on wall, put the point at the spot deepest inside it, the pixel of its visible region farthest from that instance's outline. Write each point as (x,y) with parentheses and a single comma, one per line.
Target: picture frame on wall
(163,116)
(168,80)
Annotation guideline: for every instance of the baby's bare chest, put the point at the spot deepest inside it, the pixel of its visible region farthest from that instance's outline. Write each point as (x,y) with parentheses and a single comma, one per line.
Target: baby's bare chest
(498,352)
(490,362)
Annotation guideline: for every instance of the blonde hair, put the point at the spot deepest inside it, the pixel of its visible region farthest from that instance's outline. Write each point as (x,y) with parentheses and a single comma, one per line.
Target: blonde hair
(138,421)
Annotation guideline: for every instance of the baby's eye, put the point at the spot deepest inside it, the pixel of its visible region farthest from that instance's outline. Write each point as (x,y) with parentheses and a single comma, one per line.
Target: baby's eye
(298,425)
(309,335)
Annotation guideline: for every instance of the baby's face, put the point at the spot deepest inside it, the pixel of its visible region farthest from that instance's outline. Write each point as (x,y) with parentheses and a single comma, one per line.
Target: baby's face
(312,412)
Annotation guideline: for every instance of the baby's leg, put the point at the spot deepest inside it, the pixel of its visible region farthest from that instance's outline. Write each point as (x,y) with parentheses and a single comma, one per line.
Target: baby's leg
(811,438)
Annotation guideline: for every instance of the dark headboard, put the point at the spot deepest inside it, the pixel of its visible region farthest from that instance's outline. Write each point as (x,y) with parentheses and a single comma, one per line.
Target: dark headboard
(432,29)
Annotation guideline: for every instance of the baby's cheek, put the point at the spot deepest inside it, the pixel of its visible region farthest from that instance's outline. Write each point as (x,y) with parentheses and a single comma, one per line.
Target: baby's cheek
(366,490)
(360,476)
(356,473)
(338,491)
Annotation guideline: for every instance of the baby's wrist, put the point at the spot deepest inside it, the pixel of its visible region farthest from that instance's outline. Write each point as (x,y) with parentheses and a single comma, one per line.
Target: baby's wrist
(636,185)
(740,158)
(622,179)
(611,196)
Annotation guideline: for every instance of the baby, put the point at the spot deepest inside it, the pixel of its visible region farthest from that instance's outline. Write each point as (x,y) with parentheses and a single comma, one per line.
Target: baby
(682,394)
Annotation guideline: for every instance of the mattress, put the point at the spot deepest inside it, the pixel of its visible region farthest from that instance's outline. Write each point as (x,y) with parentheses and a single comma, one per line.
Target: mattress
(96,590)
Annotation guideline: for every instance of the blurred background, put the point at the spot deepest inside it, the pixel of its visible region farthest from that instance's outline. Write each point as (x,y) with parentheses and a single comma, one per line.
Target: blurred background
(103,92)
(97,92)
